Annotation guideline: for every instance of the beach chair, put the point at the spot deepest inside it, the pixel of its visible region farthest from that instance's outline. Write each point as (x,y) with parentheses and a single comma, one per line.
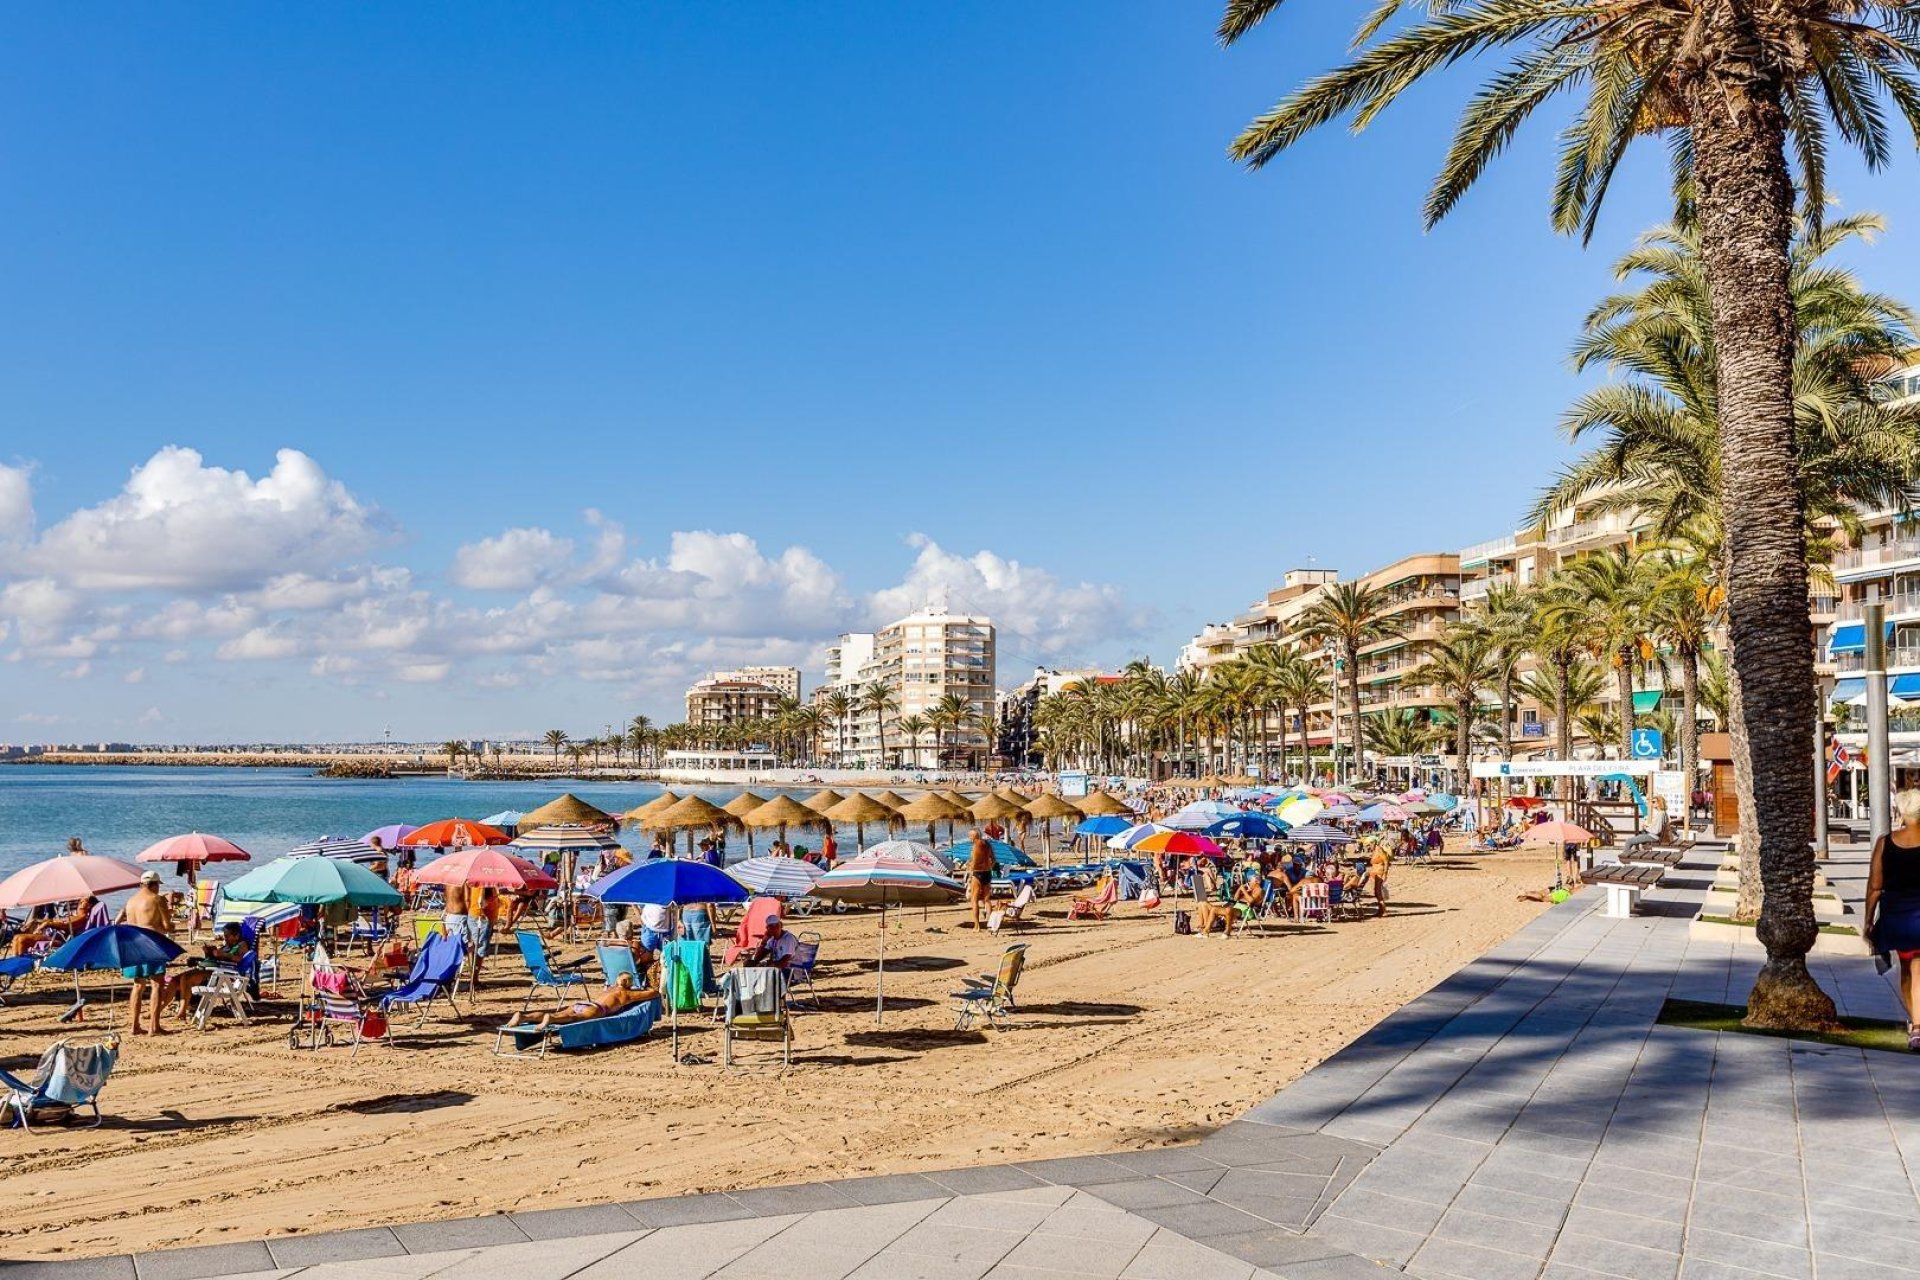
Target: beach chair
(533,953)
(12,970)
(992,995)
(800,967)
(434,974)
(425,927)
(616,959)
(1316,900)
(620,1028)
(223,989)
(753,1006)
(70,1075)
(325,1014)
(1014,912)
(1096,907)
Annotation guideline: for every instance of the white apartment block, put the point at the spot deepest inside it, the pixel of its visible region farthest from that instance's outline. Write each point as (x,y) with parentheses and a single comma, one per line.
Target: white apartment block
(920,660)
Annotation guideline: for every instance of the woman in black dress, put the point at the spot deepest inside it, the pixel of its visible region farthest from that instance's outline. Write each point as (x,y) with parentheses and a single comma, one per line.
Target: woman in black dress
(1893,904)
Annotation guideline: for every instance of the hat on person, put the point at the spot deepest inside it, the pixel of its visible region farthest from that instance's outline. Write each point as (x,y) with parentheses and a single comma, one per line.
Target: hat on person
(772,919)
(150,877)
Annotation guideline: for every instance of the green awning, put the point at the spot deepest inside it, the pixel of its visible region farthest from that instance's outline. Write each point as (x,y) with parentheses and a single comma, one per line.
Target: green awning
(1440,715)
(1646,700)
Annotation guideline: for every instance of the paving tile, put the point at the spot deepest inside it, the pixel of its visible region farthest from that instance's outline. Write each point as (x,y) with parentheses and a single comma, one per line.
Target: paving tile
(1342,1268)
(458,1233)
(807,1197)
(585,1220)
(1147,1193)
(675,1211)
(1102,1223)
(1164,1160)
(1074,1254)
(1183,1260)
(1458,1261)
(1626,1228)
(1755,1255)
(557,1259)
(695,1249)
(772,1261)
(334,1246)
(890,1188)
(1201,1221)
(1765,1222)
(1077,1171)
(117,1266)
(993,1214)
(1389,1211)
(1274,1250)
(936,1239)
(969,1182)
(237,1258)
(1464,1226)
(1834,1267)
(889,1265)
(1613,1258)
(1384,1244)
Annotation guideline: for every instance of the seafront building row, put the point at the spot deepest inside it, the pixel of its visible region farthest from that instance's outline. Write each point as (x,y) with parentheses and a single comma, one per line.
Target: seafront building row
(1431,590)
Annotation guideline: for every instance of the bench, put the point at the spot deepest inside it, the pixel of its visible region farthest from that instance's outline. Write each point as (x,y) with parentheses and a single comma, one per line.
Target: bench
(1653,855)
(1624,885)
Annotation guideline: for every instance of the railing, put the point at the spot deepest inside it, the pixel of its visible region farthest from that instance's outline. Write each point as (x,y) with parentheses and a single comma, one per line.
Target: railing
(1491,547)
(1851,611)
(1899,549)
(1897,656)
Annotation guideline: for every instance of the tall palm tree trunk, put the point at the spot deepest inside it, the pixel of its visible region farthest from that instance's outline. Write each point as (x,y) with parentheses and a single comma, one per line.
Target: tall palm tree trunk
(1353,706)
(1745,203)
(1623,683)
(1689,727)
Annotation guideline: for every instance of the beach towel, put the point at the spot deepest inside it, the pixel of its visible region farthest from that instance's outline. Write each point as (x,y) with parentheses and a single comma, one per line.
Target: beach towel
(74,1073)
(687,967)
(755,991)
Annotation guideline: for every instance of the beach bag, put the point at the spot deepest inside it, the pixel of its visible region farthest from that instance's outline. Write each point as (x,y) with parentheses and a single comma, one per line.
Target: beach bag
(373,1024)
(1182,922)
(1150,898)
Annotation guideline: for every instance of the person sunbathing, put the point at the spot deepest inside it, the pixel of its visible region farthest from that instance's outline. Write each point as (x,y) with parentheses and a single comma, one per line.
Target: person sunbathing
(1215,904)
(617,998)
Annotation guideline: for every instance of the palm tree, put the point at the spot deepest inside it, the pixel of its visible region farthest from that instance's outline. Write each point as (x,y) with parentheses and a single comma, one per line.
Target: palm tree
(1349,616)
(1730,84)
(1462,664)
(879,701)
(1397,733)
(1682,609)
(453,751)
(1301,686)
(810,722)
(913,726)
(838,705)
(1504,619)
(555,738)
(1556,642)
(949,713)
(1604,597)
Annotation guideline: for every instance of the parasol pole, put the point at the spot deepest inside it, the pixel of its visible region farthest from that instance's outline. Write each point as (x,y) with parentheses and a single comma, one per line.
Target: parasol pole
(880,989)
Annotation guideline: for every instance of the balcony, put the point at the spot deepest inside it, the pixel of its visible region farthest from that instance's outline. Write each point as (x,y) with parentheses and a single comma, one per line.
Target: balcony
(1904,655)
(1853,610)
(1487,550)
(1869,557)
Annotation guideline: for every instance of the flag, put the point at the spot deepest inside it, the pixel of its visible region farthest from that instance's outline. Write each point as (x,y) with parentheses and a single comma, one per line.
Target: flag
(1838,758)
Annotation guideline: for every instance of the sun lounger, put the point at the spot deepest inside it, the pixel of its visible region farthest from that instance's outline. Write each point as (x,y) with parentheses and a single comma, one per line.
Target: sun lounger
(70,1075)
(433,977)
(620,1028)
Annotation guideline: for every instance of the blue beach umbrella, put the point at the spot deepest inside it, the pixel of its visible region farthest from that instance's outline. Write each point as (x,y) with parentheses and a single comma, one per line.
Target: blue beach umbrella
(113,946)
(1131,836)
(667,882)
(313,881)
(1003,853)
(1248,826)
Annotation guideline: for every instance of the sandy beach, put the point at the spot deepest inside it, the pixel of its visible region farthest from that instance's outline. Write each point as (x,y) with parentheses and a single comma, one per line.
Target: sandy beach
(1128,1036)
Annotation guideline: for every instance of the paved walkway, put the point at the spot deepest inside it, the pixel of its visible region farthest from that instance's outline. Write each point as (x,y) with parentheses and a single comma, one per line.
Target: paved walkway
(1525,1118)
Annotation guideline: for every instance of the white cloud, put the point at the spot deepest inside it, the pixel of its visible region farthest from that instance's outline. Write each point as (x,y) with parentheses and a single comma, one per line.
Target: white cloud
(78,671)
(258,644)
(138,675)
(182,525)
(516,560)
(1027,604)
(16,503)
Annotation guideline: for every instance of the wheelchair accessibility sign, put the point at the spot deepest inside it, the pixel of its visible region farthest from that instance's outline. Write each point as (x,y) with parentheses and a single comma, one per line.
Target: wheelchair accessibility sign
(1648,744)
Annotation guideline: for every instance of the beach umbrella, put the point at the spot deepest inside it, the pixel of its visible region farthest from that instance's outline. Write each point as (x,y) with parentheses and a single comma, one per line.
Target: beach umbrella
(1106,824)
(1379,813)
(448,832)
(503,819)
(668,882)
(486,868)
(1133,835)
(1524,802)
(1300,809)
(1339,812)
(691,814)
(781,812)
(823,800)
(1557,833)
(776,877)
(67,878)
(1248,826)
(339,847)
(1184,843)
(194,847)
(567,808)
(566,837)
(740,806)
(931,808)
(313,881)
(1201,814)
(1046,807)
(860,810)
(1096,803)
(995,808)
(390,835)
(877,880)
(908,851)
(1318,833)
(114,946)
(1010,794)
(892,799)
(1006,855)
(1422,808)
(640,814)
(1331,798)
(1444,801)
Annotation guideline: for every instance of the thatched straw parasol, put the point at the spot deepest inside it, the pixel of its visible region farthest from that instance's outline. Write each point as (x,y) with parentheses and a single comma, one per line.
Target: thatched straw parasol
(1096,803)
(931,808)
(1009,793)
(892,799)
(659,804)
(740,806)
(781,812)
(860,810)
(991,807)
(690,815)
(568,808)
(1046,808)
(821,801)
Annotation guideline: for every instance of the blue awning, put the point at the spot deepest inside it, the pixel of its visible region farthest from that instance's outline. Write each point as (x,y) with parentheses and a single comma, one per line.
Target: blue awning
(1847,690)
(1851,637)
(1905,687)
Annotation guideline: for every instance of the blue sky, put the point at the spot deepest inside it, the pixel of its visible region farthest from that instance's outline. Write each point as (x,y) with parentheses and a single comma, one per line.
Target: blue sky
(893,301)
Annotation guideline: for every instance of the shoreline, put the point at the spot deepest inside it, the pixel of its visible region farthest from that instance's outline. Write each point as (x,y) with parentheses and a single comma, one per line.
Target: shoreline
(343,765)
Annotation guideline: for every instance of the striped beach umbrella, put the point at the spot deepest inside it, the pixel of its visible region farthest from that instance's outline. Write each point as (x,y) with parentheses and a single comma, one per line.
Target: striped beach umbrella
(338,847)
(873,879)
(776,877)
(1318,833)
(1133,835)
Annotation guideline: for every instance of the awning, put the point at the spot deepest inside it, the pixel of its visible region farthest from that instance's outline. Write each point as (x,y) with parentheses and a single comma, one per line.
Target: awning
(1848,690)
(1646,700)
(1905,687)
(1850,637)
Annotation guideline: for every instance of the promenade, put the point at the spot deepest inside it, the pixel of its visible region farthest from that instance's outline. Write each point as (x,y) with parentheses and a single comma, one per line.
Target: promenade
(1524,1118)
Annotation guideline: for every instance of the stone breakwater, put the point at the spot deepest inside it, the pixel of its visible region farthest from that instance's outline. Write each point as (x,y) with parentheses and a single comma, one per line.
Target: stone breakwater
(334,765)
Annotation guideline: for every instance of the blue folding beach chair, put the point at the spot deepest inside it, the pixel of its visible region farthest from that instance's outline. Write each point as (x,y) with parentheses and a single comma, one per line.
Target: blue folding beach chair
(434,974)
(533,952)
(69,1076)
(615,960)
(12,969)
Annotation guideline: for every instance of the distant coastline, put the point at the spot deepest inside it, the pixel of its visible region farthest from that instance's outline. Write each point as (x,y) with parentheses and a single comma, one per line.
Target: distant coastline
(340,764)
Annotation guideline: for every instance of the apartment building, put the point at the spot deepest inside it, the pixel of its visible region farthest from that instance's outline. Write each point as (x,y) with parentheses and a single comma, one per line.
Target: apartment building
(784,681)
(721,701)
(1884,566)
(920,660)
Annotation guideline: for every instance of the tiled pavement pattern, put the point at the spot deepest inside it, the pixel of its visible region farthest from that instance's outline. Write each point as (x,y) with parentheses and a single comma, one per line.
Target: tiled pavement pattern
(1523,1119)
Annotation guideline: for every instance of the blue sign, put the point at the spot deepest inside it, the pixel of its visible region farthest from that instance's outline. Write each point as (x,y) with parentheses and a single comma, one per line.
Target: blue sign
(1648,744)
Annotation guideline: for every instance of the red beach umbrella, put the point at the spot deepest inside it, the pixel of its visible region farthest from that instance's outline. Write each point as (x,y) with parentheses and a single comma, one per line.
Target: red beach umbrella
(457,831)
(195,846)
